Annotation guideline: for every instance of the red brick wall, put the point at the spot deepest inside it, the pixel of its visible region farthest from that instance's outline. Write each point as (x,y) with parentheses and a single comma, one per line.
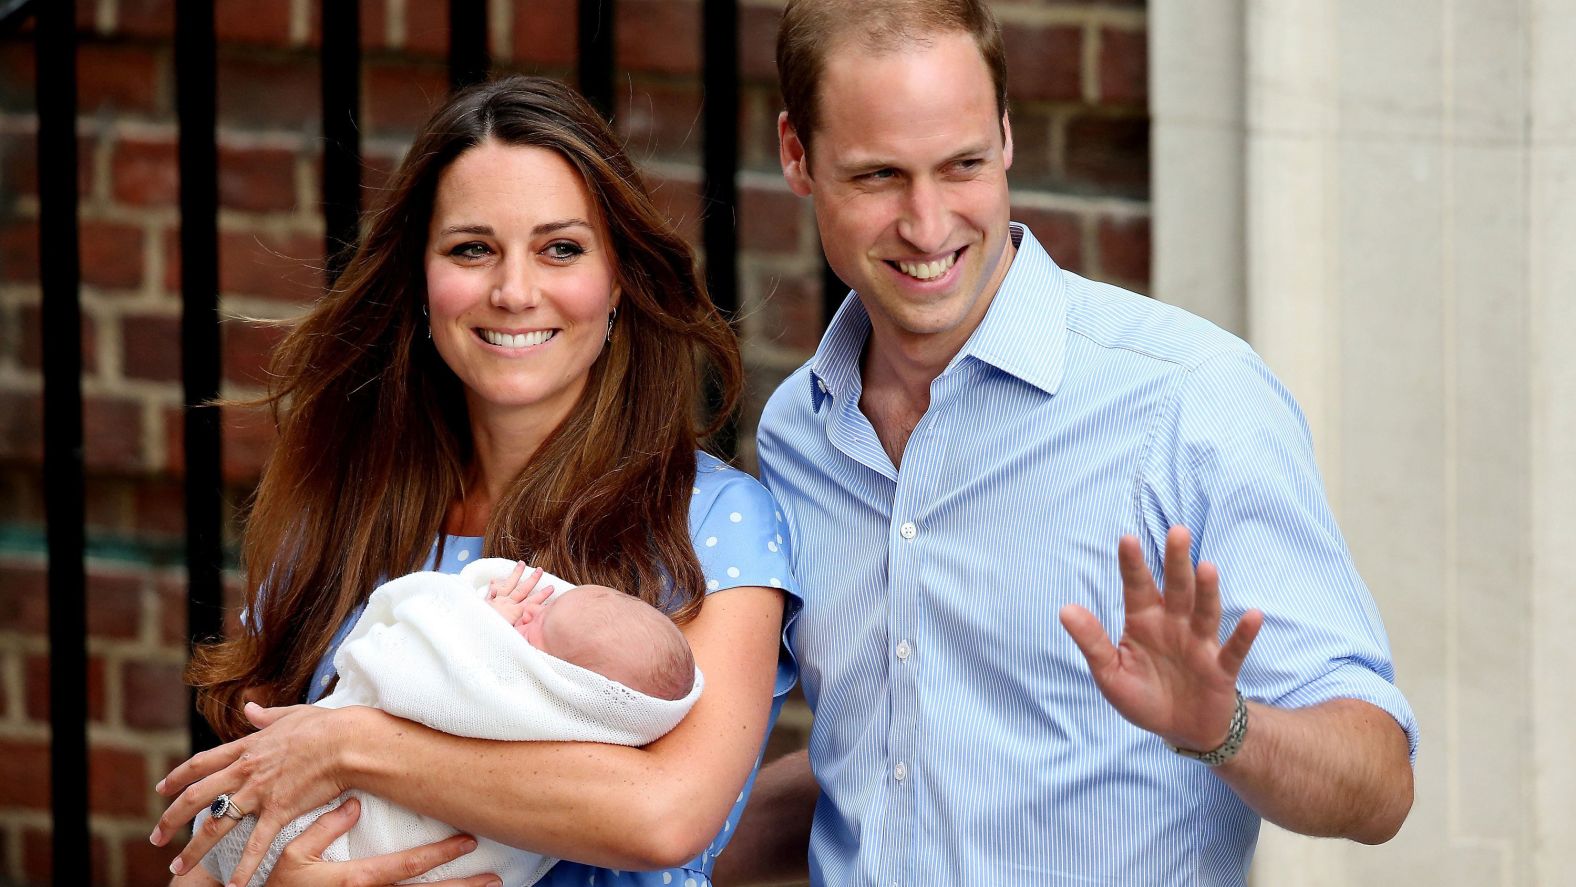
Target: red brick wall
(1077,71)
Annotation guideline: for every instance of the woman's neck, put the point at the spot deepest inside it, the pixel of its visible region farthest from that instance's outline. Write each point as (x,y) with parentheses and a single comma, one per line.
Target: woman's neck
(502,444)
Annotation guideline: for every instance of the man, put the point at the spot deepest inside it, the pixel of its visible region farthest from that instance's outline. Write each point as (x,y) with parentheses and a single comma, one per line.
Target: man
(976,433)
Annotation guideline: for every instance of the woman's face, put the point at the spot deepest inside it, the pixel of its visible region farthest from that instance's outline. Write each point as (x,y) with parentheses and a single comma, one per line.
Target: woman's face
(519,280)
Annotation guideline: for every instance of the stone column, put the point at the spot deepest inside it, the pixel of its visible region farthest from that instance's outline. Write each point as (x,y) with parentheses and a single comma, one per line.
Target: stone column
(1407,256)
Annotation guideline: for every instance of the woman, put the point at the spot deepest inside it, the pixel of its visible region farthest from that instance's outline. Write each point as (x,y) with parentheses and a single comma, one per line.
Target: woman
(507,367)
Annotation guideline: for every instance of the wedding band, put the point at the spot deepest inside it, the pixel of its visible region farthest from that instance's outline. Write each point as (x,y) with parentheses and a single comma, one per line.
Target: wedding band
(223,806)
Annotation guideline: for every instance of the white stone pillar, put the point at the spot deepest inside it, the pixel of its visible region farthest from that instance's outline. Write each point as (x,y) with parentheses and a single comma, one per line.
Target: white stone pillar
(1408,246)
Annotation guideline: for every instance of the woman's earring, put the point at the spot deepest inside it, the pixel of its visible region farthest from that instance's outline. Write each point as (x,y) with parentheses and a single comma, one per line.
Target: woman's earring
(613,315)
(428,320)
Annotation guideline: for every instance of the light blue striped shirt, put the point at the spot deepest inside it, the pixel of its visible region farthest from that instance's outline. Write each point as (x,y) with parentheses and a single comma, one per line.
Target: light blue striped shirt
(958,737)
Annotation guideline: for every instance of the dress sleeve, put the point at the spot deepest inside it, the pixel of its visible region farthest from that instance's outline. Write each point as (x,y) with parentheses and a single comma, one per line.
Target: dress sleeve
(741,539)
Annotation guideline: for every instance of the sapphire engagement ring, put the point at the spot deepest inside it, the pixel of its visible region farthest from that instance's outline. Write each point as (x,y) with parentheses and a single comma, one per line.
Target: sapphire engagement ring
(223,806)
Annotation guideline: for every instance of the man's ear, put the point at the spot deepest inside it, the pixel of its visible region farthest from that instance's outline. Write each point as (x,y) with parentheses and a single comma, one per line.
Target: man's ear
(1006,145)
(795,160)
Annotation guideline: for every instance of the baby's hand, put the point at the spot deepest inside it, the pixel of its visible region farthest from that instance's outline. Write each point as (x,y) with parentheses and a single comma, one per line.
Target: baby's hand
(516,601)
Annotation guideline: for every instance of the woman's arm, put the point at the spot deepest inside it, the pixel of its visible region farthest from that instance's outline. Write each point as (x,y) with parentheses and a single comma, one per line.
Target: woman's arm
(635,808)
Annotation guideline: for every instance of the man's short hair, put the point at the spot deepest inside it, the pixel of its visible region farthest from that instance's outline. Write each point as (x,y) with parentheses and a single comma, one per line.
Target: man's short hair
(810,27)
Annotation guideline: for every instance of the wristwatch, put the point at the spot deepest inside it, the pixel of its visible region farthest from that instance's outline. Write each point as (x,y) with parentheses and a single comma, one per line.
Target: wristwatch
(1227,750)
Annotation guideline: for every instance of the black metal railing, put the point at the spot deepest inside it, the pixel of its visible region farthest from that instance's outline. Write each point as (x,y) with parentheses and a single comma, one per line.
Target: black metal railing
(196,106)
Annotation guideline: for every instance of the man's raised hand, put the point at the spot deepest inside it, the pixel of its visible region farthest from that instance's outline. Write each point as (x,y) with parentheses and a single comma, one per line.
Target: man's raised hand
(1169,673)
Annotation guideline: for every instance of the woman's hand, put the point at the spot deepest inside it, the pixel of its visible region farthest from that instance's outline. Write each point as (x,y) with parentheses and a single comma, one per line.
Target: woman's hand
(287,768)
(301,864)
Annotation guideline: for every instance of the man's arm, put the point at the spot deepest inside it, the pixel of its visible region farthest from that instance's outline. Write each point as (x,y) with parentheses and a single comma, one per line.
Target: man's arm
(771,844)
(1337,769)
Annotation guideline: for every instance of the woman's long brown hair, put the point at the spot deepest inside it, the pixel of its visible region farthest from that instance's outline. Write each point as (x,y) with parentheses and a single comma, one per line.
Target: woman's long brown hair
(373,440)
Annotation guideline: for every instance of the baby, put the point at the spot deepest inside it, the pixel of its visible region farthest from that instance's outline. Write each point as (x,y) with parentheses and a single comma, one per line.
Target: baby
(599,629)
(565,662)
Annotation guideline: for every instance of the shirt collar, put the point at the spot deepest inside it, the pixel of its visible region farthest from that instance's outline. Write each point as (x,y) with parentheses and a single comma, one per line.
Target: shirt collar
(1033,296)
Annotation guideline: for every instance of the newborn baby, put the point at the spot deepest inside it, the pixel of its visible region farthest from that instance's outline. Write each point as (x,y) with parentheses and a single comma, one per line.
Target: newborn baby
(599,629)
(564,663)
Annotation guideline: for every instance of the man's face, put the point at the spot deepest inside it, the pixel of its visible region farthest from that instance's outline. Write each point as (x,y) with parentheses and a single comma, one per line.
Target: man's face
(908,169)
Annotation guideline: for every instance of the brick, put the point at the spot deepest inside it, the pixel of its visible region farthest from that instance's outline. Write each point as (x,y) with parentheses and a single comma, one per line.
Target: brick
(771,220)
(247,348)
(246,438)
(22,426)
(146,865)
(788,311)
(154,696)
(19,250)
(1060,232)
(283,268)
(24,774)
(24,598)
(118,77)
(172,610)
(31,353)
(158,508)
(427,29)
(106,508)
(114,605)
(145,173)
(21,494)
(120,783)
(373,23)
(659,36)
(1125,251)
(546,32)
(19,164)
(247,21)
(111,254)
(17,75)
(269,93)
(680,202)
(149,19)
(398,97)
(1124,66)
(151,347)
(1044,63)
(38,858)
(1033,152)
(758,109)
(36,673)
(660,119)
(257,179)
(1109,155)
(758,43)
(112,433)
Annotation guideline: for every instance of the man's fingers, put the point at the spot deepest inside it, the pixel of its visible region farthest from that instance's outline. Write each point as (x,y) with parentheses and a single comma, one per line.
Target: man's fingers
(1138,587)
(312,842)
(1235,650)
(1178,588)
(1087,632)
(1206,601)
(406,864)
(263,834)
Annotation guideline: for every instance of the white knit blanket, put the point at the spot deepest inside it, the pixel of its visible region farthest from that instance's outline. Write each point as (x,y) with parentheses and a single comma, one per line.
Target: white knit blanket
(430,649)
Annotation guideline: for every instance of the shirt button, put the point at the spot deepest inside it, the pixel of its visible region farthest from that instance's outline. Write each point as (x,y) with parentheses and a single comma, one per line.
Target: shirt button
(821,384)
(900,772)
(908,530)
(903,650)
